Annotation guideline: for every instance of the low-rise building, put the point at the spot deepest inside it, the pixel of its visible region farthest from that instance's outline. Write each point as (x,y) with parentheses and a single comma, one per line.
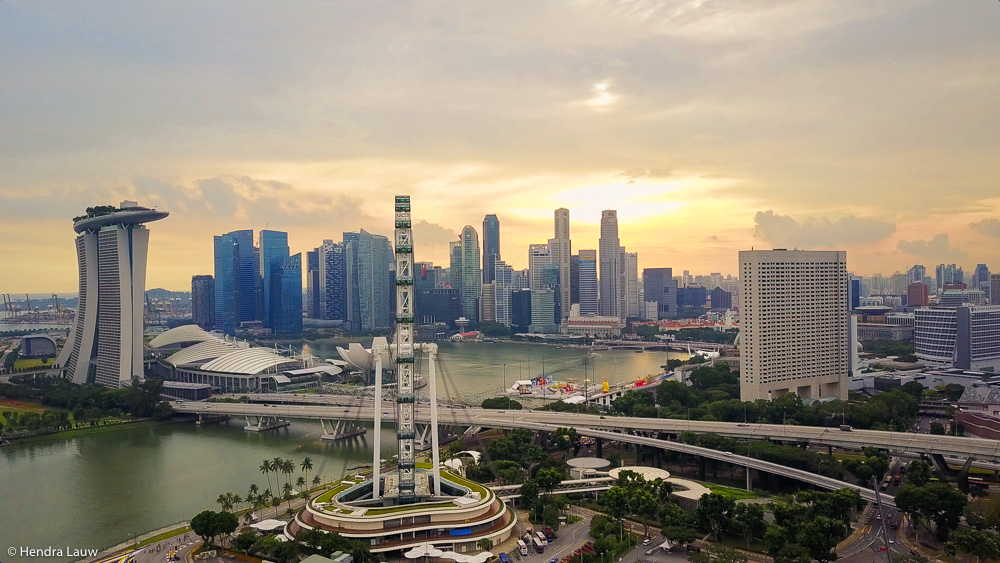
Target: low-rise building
(595,326)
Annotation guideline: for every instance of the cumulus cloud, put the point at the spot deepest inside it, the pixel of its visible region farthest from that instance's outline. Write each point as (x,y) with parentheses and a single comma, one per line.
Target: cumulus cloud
(783,230)
(432,234)
(937,247)
(988,227)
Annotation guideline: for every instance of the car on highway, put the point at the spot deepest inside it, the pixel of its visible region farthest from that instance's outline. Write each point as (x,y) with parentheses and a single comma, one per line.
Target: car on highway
(729,454)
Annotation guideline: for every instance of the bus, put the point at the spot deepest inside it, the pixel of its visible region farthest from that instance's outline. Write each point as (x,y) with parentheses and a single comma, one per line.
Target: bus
(504,558)
(522,547)
(539,546)
(541,537)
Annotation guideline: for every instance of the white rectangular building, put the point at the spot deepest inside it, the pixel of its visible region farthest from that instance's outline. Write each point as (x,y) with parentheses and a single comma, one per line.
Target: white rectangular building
(794,320)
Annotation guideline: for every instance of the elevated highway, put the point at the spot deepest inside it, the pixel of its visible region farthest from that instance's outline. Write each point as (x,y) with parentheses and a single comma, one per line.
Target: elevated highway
(606,428)
(351,408)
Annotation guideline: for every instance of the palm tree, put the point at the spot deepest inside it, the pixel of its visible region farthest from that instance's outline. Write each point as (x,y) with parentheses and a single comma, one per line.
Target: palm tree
(301,483)
(277,465)
(316,481)
(264,500)
(237,500)
(223,501)
(307,466)
(265,468)
(287,490)
(253,491)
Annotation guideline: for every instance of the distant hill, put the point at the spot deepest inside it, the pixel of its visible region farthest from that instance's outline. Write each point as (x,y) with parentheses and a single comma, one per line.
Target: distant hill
(161,294)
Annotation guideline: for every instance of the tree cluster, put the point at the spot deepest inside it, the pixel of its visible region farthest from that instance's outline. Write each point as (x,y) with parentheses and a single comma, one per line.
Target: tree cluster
(501,403)
(934,503)
(210,524)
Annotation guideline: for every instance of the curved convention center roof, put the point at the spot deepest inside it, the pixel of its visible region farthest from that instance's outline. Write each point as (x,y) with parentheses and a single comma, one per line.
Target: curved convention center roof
(127,216)
(249,361)
(201,352)
(181,335)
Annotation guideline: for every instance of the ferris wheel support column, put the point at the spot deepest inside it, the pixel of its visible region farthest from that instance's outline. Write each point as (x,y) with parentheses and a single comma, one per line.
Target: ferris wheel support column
(377,462)
(435,445)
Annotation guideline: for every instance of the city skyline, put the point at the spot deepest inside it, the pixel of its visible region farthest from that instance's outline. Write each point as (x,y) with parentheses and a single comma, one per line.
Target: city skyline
(788,125)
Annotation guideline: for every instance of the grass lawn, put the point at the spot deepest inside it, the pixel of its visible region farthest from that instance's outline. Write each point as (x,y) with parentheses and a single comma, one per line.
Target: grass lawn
(740,543)
(165,535)
(21,406)
(407,507)
(731,492)
(30,363)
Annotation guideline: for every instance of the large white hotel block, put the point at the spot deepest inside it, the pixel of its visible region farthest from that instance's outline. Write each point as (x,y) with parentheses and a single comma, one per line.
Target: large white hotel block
(794,324)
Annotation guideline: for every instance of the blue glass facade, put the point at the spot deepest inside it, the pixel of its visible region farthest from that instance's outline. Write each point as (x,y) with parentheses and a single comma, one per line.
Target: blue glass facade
(491,247)
(286,295)
(236,274)
(273,252)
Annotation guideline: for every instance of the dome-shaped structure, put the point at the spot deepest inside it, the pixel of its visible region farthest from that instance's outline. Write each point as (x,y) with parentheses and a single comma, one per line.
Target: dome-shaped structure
(250,361)
(201,352)
(363,359)
(186,334)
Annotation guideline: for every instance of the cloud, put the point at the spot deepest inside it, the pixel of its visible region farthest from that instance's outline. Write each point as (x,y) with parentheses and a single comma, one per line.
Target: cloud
(783,230)
(432,234)
(938,247)
(988,227)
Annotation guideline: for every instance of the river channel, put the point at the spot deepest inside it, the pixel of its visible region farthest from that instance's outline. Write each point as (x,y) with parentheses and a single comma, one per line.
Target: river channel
(99,490)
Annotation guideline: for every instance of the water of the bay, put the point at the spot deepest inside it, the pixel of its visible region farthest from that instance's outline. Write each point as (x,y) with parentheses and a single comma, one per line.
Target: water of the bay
(96,491)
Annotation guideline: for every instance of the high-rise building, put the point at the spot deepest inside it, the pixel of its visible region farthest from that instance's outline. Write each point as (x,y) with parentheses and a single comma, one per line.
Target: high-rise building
(610,267)
(560,251)
(313,309)
(631,292)
(375,285)
(721,299)
(794,320)
(352,286)
(520,279)
(504,286)
(538,258)
(491,246)
(237,270)
(917,295)
(274,250)
(661,288)
(332,277)
(520,310)
(543,310)
(488,303)
(455,269)
(917,273)
(981,279)
(472,276)
(574,279)
(854,292)
(439,305)
(105,341)
(588,283)
(995,289)
(965,337)
(286,295)
(203,301)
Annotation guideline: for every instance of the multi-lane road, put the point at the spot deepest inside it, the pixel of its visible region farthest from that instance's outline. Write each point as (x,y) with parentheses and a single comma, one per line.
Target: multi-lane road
(594,426)
(334,408)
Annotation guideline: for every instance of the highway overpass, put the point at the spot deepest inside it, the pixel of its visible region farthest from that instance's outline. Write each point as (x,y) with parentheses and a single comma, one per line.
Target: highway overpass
(519,419)
(351,408)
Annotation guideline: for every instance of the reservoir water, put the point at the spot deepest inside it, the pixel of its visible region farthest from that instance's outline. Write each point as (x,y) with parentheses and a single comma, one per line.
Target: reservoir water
(99,490)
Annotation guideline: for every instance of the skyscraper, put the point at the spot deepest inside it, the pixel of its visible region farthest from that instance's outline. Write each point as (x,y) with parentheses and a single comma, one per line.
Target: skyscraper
(574,279)
(332,278)
(352,288)
(588,282)
(370,266)
(312,285)
(274,251)
(632,284)
(981,279)
(995,289)
(539,257)
(560,251)
(236,273)
(794,320)
(488,303)
(491,246)
(455,264)
(203,301)
(472,277)
(504,283)
(610,267)
(661,288)
(286,295)
(105,342)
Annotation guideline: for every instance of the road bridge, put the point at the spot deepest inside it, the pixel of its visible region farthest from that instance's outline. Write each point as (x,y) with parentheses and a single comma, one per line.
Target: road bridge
(608,429)
(896,442)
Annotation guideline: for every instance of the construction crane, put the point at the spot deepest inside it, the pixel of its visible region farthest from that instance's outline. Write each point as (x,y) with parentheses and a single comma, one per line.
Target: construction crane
(28,311)
(55,301)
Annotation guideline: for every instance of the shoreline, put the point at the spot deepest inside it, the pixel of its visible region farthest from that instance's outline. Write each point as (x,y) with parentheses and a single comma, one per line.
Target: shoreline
(92,430)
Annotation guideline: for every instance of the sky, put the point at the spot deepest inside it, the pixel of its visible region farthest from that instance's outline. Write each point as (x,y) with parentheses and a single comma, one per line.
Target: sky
(711,126)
